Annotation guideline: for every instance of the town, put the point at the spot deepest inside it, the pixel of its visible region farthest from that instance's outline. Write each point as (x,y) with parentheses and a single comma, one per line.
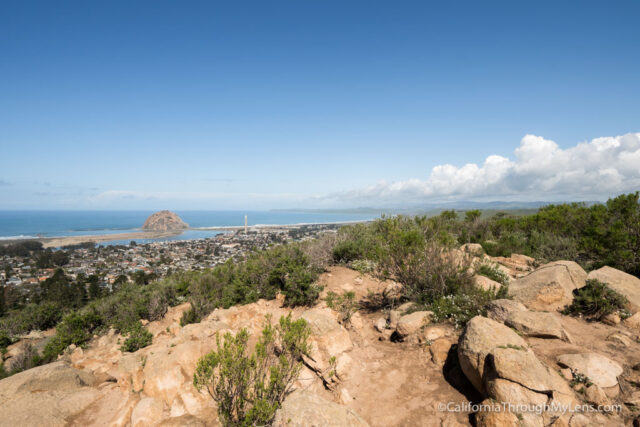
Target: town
(24,268)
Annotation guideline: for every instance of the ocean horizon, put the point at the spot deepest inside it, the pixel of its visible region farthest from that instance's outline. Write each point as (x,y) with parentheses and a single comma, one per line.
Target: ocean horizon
(31,224)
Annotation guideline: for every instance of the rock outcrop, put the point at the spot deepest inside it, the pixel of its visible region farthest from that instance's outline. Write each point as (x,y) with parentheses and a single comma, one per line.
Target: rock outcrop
(550,287)
(601,370)
(303,409)
(164,221)
(357,372)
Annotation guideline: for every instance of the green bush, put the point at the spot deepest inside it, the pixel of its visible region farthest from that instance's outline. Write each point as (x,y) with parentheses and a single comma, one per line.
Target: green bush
(595,300)
(462,307)
(262,275)
(138,338)
(347,251)
(189,316)
(344,303)
(249,388)
(76,328)
(493,273)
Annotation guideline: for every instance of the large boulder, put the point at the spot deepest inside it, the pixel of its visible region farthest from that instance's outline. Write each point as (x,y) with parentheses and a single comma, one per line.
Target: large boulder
(147,412)
(537,324)
(328,340)
(626,284)
(48,395)
(500,309)
(480,338)
(602,371)
(302,408)
(521,366)
(550,287)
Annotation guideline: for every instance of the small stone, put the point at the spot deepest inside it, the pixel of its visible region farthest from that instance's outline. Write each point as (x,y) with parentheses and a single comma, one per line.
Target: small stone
(612,319)
(439,350)
(566,374)
(380,324)
(403,308)
(394,317)
(411,323)
(619,339)
(393,291)
(596,396)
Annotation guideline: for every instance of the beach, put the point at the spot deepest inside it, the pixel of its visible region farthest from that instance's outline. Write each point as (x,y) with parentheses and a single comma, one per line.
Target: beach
(56,242)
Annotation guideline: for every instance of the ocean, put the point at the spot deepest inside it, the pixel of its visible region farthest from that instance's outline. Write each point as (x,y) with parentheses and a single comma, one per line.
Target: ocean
(32,224)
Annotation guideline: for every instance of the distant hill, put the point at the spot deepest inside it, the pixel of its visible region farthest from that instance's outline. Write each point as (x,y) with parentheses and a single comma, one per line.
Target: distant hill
(164,221)
(514,207)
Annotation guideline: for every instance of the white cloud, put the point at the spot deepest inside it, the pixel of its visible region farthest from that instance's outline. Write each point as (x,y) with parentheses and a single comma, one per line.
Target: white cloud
(540,170)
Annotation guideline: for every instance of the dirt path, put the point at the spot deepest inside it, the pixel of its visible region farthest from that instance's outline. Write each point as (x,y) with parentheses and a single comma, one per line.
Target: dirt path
(391,383)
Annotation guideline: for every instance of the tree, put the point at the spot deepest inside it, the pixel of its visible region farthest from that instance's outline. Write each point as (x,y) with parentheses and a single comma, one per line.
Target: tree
(94,289)
(472,216)
(2,306)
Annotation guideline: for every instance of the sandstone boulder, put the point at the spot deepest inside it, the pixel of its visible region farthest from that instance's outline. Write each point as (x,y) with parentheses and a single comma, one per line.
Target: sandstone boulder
(486,284)
(393,291)
(480,337)
(328,340)
(439,350)
(33,397)
(380,324)
(412,323)
(624,283)
(147,412)
(473,249)
(302,408)
(550,287)
(500,309)
(537,324)
(521,366)
(602,371)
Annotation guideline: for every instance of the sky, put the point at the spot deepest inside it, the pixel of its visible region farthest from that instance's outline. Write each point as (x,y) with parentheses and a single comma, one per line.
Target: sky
(316,104)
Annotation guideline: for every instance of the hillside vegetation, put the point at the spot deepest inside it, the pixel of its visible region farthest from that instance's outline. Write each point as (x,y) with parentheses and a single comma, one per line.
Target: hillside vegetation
(417,252)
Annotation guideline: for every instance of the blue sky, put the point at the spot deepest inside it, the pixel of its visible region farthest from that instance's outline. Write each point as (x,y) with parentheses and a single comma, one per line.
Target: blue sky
(252,105)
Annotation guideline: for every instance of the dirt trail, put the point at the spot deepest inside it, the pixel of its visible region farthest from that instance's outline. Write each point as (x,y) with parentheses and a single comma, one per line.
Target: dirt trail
(391,383)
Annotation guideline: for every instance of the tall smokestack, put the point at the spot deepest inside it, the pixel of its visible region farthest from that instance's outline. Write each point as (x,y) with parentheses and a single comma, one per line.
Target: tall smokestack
(245,224)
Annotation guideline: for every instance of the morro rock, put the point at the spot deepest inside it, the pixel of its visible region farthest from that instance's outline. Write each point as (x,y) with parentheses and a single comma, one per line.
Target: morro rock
(164,221)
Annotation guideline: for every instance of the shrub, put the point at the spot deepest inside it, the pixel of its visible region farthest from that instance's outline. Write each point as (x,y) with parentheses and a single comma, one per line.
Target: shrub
(300,288)
(249,388)
(431,273)
(5,340)
(493,273)
(345,304)
(347,251)
(138,338)
(595,300)
(189,316)
(319,251)
(26,359)
(462,307)
(363,265)
(76,328)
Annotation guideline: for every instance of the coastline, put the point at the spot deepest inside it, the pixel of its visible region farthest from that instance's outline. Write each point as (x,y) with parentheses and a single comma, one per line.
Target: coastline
(56,242)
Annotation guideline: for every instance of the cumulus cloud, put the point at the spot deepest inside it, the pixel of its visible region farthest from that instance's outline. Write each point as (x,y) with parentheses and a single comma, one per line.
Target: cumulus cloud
(539,170)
